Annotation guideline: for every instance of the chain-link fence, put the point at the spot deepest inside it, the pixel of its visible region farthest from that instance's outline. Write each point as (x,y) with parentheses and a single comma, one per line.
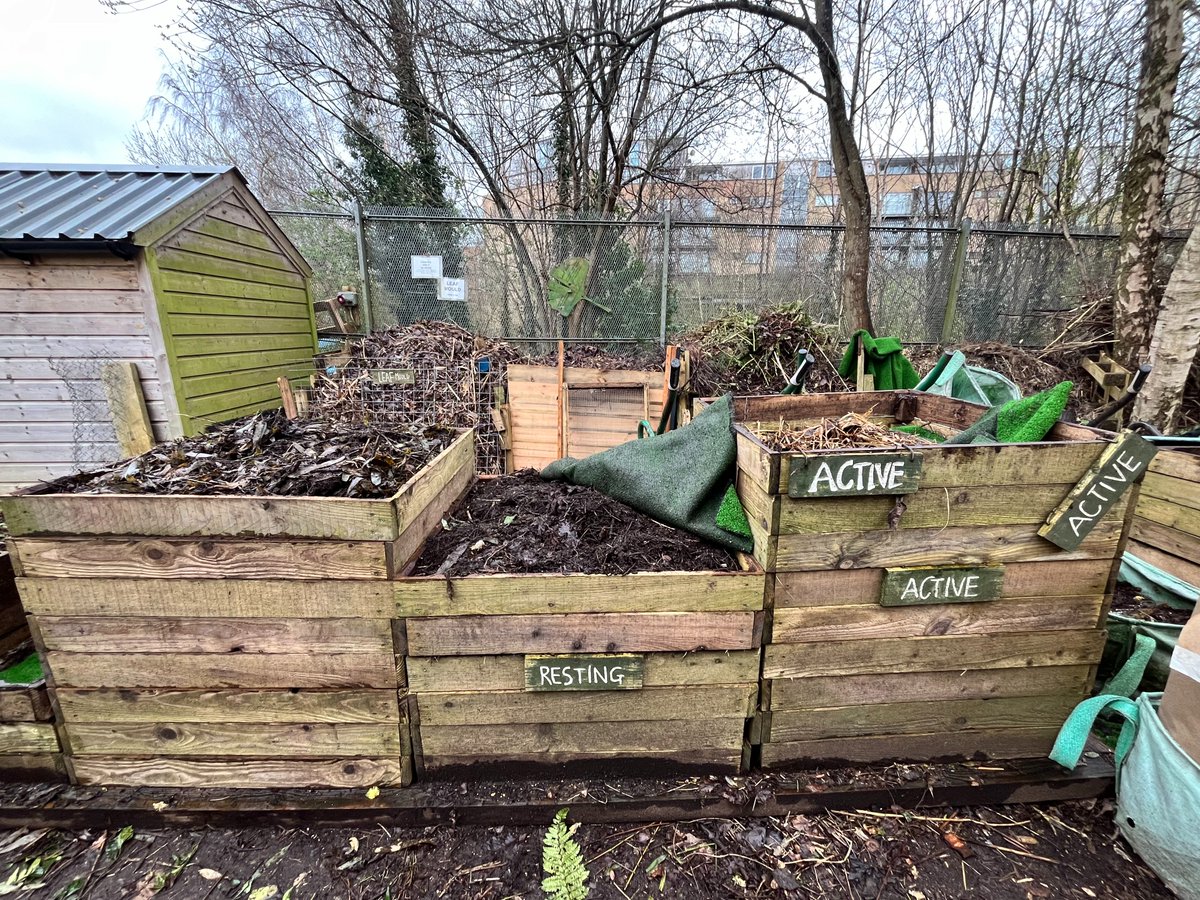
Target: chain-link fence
(971,284)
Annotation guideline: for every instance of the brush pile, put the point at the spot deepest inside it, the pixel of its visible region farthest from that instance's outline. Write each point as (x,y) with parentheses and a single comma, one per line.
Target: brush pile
(755,352)
(454,377)
(849,432)
(269,454)
(636,358)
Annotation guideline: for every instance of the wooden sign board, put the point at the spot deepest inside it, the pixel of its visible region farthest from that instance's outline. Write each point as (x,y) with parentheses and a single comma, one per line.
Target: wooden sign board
(1123,463)
(940,584)
(855,475)
(394,376)
(584,672)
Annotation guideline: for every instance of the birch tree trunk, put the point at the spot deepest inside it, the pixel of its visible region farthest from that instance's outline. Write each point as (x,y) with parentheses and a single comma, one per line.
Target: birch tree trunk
(1144,181)
(1176,335)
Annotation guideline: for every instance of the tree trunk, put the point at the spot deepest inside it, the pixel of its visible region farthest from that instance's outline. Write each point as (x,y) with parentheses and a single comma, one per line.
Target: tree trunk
(851,178)
(1176,335)
(1144,181)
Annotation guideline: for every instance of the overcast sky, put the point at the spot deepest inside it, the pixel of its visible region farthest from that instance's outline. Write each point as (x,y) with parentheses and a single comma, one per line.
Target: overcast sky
(76,78)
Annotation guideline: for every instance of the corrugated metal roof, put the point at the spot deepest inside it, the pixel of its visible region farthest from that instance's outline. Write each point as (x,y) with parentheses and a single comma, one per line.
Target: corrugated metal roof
(91,203)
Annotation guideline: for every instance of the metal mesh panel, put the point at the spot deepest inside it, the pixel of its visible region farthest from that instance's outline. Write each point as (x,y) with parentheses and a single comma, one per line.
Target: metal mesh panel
(93,437)
(329,243)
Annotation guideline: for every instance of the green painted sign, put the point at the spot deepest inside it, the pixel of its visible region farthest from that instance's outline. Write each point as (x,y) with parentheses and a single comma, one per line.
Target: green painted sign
(854,475)
(394,376)
(584,672)
(1123,463)
(940,584)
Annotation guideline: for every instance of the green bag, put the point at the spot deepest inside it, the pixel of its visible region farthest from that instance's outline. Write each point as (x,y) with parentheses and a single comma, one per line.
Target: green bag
(1158,786)
(952,377)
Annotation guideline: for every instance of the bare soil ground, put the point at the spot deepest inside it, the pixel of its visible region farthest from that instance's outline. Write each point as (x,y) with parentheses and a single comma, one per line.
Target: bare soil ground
(1069,850)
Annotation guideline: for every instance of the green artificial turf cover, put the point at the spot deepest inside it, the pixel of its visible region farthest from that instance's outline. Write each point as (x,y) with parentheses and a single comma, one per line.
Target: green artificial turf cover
(27,671)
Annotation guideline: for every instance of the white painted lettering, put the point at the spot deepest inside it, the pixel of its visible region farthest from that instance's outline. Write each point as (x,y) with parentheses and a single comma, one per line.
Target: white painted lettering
(897,474)
(824,473)
(910,590)
(845,485)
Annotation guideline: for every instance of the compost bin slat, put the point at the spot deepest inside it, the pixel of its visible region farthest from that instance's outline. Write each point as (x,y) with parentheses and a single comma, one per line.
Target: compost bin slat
(1009,743)
(171,738)
(280,707)
(579,737)
(250,773)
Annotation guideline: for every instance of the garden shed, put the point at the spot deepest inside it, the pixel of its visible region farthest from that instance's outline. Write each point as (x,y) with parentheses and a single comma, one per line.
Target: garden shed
(138,304)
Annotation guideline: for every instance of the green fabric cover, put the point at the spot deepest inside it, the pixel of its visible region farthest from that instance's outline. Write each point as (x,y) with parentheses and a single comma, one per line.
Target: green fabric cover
(1019,421)
(27,671)
(679,478)
(920,431)
(732,516)
(952,377)
(885,360)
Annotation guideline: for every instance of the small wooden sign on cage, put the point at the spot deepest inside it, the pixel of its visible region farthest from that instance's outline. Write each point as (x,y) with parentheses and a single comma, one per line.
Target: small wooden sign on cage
(394,376)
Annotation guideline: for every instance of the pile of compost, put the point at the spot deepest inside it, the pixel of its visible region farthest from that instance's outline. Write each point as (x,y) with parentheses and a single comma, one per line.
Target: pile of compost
(267,453)
(849,432)
(1128,602)
(522,524)
(755,352)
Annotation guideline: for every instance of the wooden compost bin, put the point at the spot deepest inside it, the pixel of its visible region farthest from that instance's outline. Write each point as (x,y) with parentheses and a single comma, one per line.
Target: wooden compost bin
(28,742)
(472,641)
(1166,525)
(847,675)
(225,640)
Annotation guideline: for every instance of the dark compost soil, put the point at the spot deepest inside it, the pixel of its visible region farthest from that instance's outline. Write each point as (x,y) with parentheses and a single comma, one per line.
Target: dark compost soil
(1069,850)
(522,524)
(1128,602)
(267,453)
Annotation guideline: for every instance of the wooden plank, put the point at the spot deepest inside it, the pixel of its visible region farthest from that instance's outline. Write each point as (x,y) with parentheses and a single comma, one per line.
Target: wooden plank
(581,633)
(58,389)
(273,707)
(243,773)
(1177,464)
(236,233)
(64,300)
(982,545)
(240,739)
(507,673)
(426,487)
(230,288)
(220,598)
(982,684)
(1171,514)
(28,737)
(191,345)
(652,704)
(232,250)
(1175,490)
(83,634)
(231,670)
(182,516)
(26,453)
(552,593)
(1121,464)
(932,654)
(39,767)
(406,548)
(179,558)
(947,584)
(219,406)
(180,260)
(824,623)
(1025,504)
(70,278)
(80,346)
(66,324)
(1167,539)
(1010,743)
(24,704)
(854,475)
(206,323)
(859,586)
(579,737)
(1183,569)
(921,717)
(594,763)
(131,422)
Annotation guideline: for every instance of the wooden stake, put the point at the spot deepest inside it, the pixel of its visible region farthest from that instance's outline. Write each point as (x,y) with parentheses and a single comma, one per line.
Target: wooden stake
(289,398)
(130,419)
(562,431)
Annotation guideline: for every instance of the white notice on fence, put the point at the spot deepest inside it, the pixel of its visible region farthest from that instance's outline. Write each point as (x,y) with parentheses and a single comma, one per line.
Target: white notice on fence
(454,289)
(426,267)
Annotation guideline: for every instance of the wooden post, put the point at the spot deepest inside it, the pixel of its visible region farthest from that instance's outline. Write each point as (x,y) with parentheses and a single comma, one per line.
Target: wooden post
(130,419)
(289,399)
(960,261)
(562,431)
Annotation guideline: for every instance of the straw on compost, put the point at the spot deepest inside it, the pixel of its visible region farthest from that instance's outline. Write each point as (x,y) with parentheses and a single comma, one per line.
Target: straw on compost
(521,524)
(267,453)
(851,431)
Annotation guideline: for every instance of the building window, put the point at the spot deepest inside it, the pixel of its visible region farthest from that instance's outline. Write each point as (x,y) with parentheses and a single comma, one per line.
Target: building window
(897,168)
(693,263)
(825,169)
(759,172)
(697,208)
(897,204)
(754,258)
(826,200)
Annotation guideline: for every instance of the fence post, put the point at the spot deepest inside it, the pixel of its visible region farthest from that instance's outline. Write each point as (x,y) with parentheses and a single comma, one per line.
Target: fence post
(960,261)
(364,288)
(666,265)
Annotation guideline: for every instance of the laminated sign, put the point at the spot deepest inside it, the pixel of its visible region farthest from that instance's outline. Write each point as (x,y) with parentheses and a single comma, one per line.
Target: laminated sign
(1123,463)
(584,672)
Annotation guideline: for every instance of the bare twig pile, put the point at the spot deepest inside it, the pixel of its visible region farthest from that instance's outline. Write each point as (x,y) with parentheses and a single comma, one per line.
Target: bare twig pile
(448,387)
(755,352)
(632,358)
(849,432)
(267,453)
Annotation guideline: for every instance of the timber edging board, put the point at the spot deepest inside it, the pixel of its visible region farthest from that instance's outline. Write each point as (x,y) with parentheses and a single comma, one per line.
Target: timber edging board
(506,803)
(914,617)
(1166,530)
(227,641)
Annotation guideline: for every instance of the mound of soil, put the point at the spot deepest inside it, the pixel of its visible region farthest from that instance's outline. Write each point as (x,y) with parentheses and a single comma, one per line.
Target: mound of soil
(522,524)
(1128,602)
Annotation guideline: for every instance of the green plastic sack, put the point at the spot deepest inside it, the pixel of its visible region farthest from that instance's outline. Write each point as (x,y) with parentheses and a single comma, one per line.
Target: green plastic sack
(952,377)
(1158,786)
